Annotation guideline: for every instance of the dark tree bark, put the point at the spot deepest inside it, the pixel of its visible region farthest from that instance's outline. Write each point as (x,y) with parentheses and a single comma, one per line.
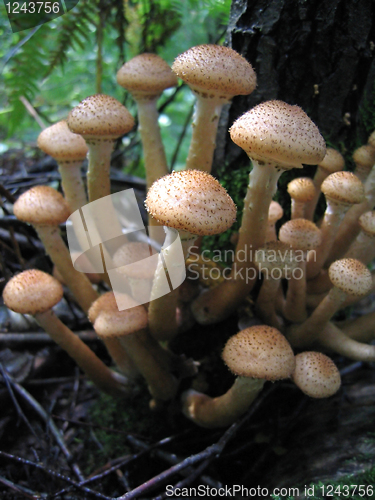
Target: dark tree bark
(318,54)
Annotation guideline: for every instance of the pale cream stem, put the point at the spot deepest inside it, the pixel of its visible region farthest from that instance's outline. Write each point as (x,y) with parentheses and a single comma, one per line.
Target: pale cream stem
(120,357)
(294,307)
(203,140)
(361,329)
(362,248)
(298,209)
(98,173)
(77,282)
(104,378)
(72,184)
(336,340)
(224,410)
(310,206)
(265,305)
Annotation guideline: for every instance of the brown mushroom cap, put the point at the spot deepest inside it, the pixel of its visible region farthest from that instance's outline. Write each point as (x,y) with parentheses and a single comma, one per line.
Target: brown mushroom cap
(300,234)
(343,188)
(137,254)
(351,276)
(367,223)
(100,117)
(193,201)
(364,157)
(43,206)
(259,352)
(275,212)
(146,75)
(107,302)
(301,189)
(60,143)
(120,323)
(215,71)
(333,161)
(316,374)
(276,132)
(32,292)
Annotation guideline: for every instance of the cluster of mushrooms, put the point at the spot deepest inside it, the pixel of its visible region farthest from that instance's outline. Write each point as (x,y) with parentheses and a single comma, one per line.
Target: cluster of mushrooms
(308,272)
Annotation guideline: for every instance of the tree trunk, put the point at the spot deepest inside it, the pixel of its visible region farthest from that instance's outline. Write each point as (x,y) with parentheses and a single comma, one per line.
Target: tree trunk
(318,54)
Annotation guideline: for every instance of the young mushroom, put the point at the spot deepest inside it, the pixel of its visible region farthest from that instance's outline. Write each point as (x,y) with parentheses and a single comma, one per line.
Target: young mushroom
(195,204)
(364,159)
(276,136)
(35,292)
(145,77)
(69,150)
(301,191)
(45,208)
(275,213)
(316,374)
(254,355)
(215,74)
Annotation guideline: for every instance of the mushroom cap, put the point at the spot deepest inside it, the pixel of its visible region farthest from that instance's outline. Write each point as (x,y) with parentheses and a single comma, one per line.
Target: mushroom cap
(60,143)
(333,161)
(301,189)
(105,302)
(371,139)
(41,206)
(193,201)
(343,188)
(316,374)
(351,276)
(215,71)
(120,323)
(275,212)
(259,352)
(32,292)
(100,117)
(137,254)
(276,132)
(300,234)
(364,157)
(367,223)
(146,75)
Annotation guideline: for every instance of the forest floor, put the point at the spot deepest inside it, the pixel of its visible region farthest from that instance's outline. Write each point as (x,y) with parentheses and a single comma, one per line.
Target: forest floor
(61,439)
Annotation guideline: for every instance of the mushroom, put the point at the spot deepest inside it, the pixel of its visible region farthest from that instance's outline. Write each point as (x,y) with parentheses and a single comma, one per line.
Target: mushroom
(349,277)
(45,208)
(363,247)
(275,213)
(302,236)
(35,292)
(254,355)
(215,74)
(301,191)
(195,204)
(145,77)
(364,159)
(316,374)
(69,150)
(342,190)
(276,136)
(333,161)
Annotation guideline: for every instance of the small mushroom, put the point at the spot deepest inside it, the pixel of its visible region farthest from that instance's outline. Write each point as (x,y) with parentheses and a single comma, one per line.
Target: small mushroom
(316,374)
(301,191)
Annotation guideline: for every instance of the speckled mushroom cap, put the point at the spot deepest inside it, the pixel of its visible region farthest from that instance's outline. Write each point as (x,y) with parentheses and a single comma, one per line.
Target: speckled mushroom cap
(351,276)
(333,161)
(107,302)
(120,323)
(42,206)
(275,212)
(316,374)
(343,188)
(137,254)
(367,223)
(364,157)
(276,132)
(301,189)
(146,76)
(32,292)
(259,352)
(60,143)
(215,71)
(193,201)
(300,234)
(100,117)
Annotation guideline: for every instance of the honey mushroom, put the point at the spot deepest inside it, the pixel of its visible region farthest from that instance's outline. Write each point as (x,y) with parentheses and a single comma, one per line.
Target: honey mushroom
(301,191)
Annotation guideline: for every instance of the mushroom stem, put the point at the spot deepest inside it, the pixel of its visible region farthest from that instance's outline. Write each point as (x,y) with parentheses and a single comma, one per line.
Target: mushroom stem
(72,184)
(294,307)
(98,173)
(361,329)
(205,122)
(336,340)
(224,410)
(104,378)
(265,307)
(77,282)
